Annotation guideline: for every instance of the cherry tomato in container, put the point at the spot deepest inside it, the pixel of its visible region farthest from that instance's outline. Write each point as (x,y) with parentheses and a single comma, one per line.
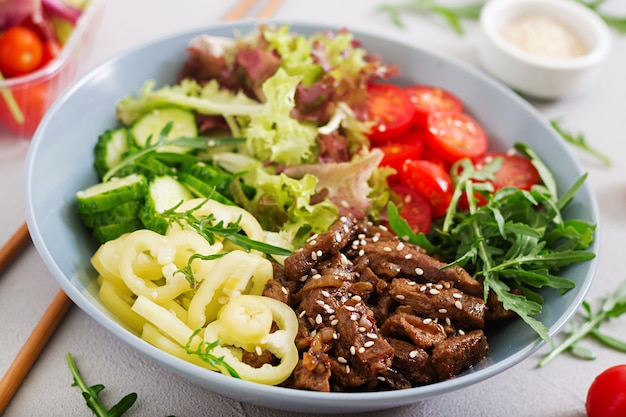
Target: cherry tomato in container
(607,394)
(432,181)
(428,99)
(33,101)
(21,51)
(407,146)
(455,136)
(391,111)
(515,171)
(415,208)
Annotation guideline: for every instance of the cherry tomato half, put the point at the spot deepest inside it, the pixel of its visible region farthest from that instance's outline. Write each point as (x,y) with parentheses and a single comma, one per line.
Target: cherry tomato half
(432,181)
(607,394)
(456,135)
(407,146)
(391,111)
(21,51)
(427,99)
(415,208)
(515,171)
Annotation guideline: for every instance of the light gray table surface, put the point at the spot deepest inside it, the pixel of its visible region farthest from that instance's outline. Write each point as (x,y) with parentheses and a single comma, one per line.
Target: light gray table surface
(26,287)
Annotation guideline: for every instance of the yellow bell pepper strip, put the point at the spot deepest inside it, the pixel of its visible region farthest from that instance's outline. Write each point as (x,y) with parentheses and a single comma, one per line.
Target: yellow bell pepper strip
(236,273)
(171,252)
(238,328)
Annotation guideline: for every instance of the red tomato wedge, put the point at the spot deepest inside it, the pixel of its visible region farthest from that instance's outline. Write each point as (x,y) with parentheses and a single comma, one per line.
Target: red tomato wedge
(407,146)
(428,99)
(515,171)
(415,208)
(432,181)
(391,111)
(455,136)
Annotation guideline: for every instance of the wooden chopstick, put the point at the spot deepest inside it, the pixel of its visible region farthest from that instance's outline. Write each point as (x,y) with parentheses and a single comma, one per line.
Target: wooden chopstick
(270,9)
(32,347)
(14,246)
(239,10)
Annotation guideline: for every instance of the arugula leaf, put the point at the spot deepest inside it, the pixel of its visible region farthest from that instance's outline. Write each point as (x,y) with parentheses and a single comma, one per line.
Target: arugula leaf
(613,306)
(203,351)
(516,240)
(91,394)
(579,140)
(403,230)
(453,15)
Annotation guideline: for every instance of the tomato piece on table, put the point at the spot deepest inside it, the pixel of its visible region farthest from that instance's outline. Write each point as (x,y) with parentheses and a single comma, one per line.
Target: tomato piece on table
(391,111)
(432,181)
(456,136)
(407,146)
(515,171)
(606,396)
(21,51)
(428,99)
(415,208)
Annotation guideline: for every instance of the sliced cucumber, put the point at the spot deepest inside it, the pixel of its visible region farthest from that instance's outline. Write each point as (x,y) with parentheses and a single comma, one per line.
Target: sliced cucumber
(211,175)
(111,148)
(106,195)
(164,193)
(123,213)
(201,189)
(151,125)
(112,231)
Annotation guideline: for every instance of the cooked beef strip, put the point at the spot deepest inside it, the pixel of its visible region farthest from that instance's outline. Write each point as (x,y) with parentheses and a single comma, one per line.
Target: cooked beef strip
(424,332)
(457,353)
(412,362)
(432,302)
(319,248)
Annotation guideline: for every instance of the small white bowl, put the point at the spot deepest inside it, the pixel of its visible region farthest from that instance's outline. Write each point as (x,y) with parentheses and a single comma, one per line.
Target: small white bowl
(532,73)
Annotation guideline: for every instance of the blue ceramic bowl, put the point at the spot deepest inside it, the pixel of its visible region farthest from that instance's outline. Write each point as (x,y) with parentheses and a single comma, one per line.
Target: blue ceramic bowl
(60,163)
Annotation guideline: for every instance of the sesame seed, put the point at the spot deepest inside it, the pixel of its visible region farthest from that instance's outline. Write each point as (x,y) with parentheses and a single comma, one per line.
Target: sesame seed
(334,322)
(363,242)
(319,253)
(369,343)
(400,297)
(439,286)
(375,238)
(434,291)
(318,319)
(387,249)
(357,298)
(314,256)
(313,242)
(258,350)
(346,228)
(383,227)
(400,246)
(223,300)
(284,290)
(335,335)
(344,204)
(461,332)
(381,378)
(412,283)
(361,349)
(347,369)
(350,308)
(316,276)
(343,219)
(448,321)
(354,317)
(443,310)
(457,295)
(341,359)
(458,305)
(423,288)
(352,350)
(427,321)
(372,335)
(319,302)
(408,256)
(361,236)
(302,314)
(419,271)
(361,252)
(325,293)
(329,310)
(154,294)
(413,353)
(337,237)
(314,332)
(362,329)
(303,278)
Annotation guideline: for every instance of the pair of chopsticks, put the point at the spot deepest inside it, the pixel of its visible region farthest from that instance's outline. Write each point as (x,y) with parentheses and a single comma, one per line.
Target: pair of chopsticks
(46,326)
(40,335)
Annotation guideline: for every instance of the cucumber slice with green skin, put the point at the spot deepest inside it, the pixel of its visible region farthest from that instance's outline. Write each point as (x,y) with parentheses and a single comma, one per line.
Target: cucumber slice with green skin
(113,231)
(111,148)
(201,189)
(164,193)
(123,213)
(153,167)
(107,195)
(211,175)
(151,125)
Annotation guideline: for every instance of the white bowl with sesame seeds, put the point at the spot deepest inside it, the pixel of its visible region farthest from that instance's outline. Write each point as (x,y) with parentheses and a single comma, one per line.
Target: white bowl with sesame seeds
(56,169)
(545,49)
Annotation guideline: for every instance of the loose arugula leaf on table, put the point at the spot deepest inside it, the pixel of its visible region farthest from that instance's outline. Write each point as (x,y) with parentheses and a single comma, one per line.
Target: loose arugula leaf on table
(580,142)
(613,306)
(515,241)
(453,15)
(91,394)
